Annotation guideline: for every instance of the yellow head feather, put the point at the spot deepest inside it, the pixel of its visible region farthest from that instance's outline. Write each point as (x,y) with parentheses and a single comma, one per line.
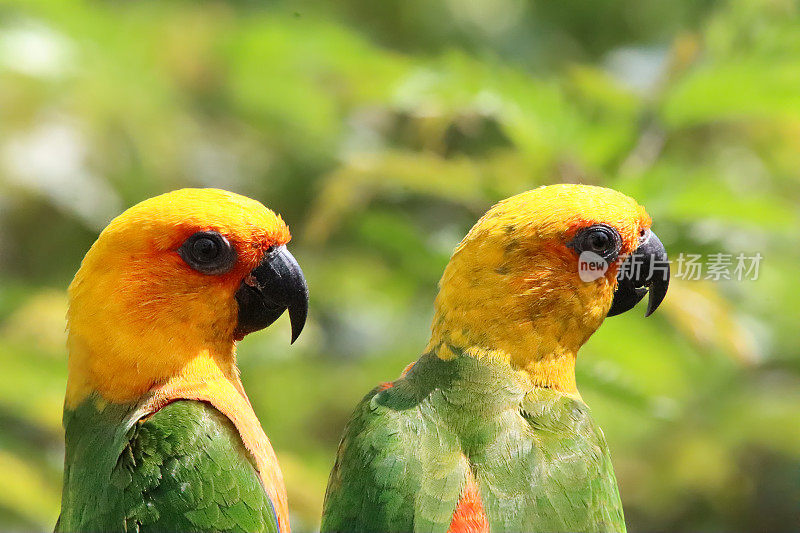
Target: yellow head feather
(140,315)
(512,289)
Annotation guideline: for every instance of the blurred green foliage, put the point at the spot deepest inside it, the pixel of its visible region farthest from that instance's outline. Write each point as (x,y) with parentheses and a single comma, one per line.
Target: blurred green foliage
(381,131)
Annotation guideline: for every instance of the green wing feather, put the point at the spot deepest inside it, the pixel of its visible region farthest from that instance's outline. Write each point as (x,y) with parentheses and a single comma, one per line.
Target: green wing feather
(182,469)
(395,469)
(557,477)
(540,461)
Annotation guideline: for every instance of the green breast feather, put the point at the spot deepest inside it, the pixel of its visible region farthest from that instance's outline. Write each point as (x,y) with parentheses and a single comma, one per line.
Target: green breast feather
(540,462)
(182,469)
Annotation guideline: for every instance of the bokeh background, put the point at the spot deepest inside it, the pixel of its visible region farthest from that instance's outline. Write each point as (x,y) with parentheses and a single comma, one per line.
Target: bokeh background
(382,131)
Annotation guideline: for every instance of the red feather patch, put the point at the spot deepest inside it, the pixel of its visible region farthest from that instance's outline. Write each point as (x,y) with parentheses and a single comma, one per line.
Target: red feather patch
(469,516)
(385,385)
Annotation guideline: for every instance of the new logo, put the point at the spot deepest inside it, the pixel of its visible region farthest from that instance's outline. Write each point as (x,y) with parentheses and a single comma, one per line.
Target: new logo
(591,266)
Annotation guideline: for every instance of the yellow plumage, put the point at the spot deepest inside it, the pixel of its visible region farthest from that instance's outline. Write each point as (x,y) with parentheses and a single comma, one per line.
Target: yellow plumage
(511,290)
(147,329)
(138,314)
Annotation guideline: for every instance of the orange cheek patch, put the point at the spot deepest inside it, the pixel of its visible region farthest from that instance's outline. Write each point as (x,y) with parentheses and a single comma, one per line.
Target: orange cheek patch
(552,262)
(563,253)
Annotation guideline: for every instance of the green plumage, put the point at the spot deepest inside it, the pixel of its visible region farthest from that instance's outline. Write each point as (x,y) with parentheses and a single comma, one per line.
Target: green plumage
(540,461)
(182,469)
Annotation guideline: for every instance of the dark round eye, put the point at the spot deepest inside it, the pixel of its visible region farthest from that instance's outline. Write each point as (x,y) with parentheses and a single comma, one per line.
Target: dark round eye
(599,239)
(208,252)
(205,250)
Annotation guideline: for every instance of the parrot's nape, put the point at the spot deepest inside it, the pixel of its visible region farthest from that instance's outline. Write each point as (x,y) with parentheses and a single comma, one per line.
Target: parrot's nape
(487,431)
(160,435)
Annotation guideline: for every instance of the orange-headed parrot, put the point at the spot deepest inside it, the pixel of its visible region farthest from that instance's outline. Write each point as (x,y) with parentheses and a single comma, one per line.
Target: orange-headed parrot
(487,430)
(160,435)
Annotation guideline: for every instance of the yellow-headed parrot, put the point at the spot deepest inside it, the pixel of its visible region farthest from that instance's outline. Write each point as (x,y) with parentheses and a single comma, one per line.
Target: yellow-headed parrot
(160,435)
(487,430)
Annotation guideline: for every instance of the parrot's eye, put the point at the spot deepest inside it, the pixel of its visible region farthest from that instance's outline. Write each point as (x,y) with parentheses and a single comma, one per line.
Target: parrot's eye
(599,239)
(208,252)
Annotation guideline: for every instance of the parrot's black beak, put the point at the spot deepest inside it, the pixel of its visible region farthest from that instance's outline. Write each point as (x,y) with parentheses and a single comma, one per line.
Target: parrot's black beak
(275,285)
(645,270)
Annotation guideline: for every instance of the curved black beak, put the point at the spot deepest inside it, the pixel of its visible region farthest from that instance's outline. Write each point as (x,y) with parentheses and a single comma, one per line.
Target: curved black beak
(275,285)
(645,270)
